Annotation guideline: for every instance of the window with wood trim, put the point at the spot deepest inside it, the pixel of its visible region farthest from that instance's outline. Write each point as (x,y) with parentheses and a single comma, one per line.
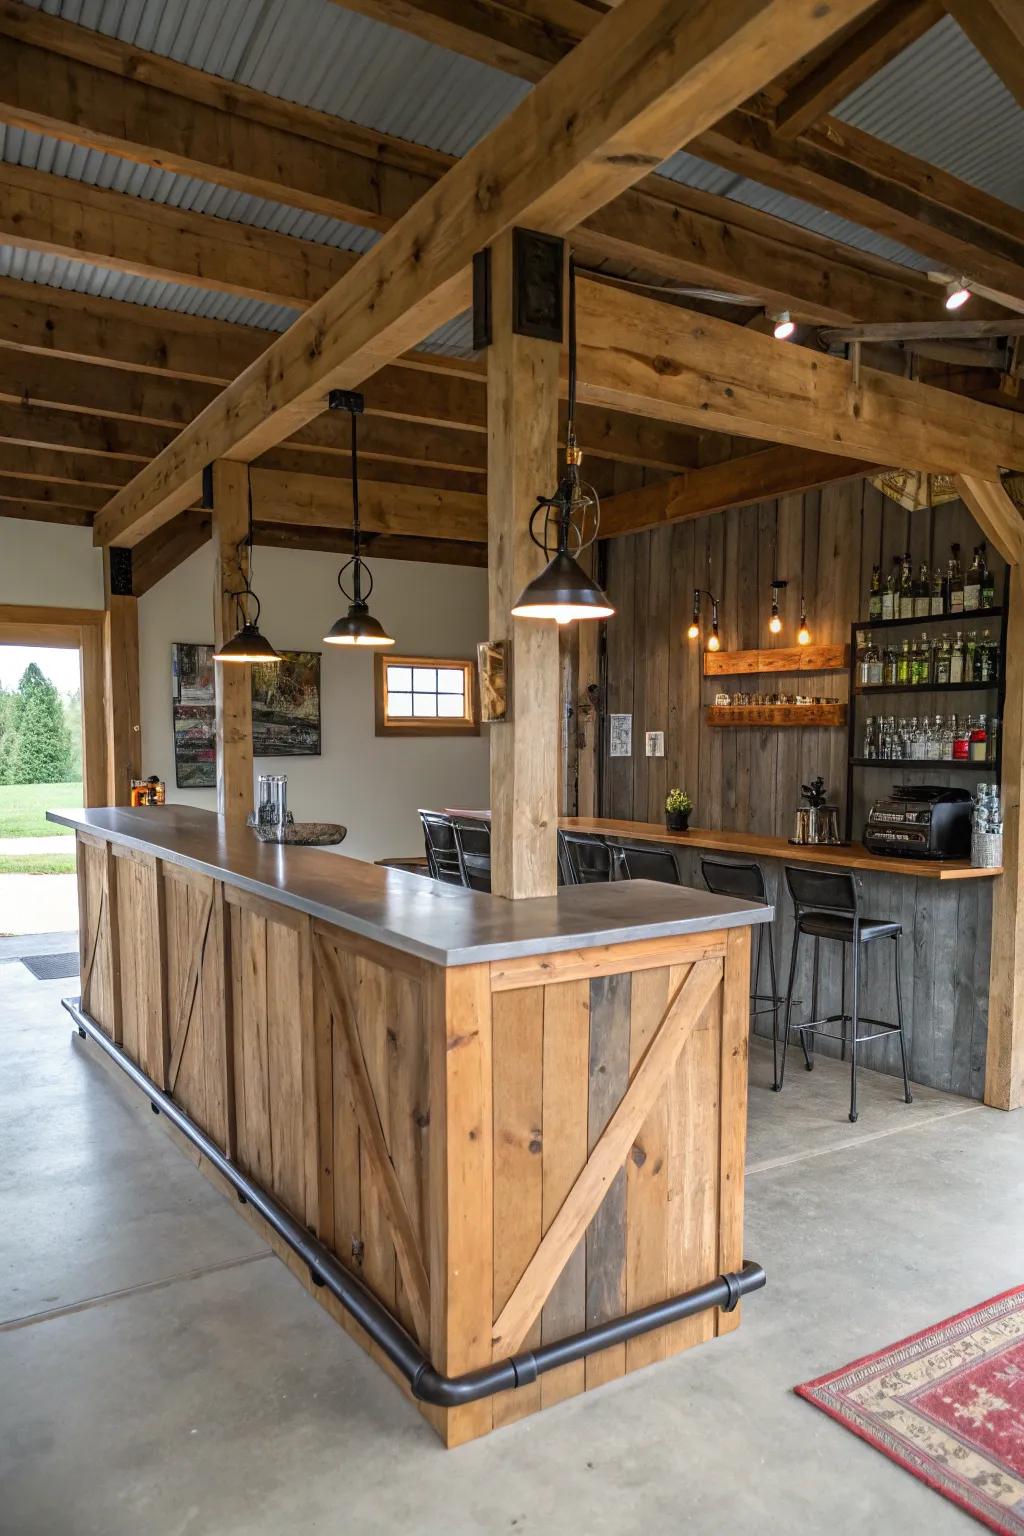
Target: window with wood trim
(425,696)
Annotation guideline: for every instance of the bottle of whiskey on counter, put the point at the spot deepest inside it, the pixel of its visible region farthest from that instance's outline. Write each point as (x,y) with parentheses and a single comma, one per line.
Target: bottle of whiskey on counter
(890,597)
(906,588)
(972,584)
(875,595)
(954,582)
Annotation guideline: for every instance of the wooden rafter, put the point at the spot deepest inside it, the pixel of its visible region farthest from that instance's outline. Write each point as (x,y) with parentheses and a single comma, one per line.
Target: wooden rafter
(677,1024)
(848,172)
(733,483)
(881,36)
(87,89)
(637,353)
(505,36)
(650,76)
(996,28)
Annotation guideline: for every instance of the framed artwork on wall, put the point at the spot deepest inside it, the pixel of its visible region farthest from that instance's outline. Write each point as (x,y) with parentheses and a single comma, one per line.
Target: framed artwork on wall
(285,711)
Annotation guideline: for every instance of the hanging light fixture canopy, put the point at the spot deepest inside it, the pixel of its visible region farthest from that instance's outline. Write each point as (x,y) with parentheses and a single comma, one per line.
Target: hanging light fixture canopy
(564,525)
(357,626)
(247,645)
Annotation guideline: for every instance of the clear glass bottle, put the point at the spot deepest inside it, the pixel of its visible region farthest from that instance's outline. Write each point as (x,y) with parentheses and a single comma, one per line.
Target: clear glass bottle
(922,593)
(938,606)
(942,658)
(946,737)
(970,646)
(890,595)
(954,582)
(962,739)
(978,747)
(870,738)
(906,588)
(988,581)
(956,659)
(875,595)
(972,584)
(993,741)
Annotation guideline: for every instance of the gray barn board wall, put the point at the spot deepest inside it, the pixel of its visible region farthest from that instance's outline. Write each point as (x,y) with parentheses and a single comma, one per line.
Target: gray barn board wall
(749,778)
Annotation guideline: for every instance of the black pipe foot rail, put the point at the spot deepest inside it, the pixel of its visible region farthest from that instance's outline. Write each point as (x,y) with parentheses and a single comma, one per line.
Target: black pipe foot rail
(427,1384)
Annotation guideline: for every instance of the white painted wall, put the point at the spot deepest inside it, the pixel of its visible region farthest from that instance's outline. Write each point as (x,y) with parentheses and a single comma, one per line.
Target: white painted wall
(49,565)
(373,785)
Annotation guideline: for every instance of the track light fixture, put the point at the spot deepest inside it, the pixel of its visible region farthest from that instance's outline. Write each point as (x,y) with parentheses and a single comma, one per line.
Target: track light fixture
(565,524)
(784,325)
(957,293)
(247,644)
(358,626)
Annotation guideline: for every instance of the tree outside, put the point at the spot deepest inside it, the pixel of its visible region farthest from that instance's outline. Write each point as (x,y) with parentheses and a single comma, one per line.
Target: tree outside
(40,769)
(39,750)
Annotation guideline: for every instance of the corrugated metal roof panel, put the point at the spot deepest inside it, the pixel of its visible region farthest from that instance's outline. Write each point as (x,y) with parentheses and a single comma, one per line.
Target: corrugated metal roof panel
(939,100)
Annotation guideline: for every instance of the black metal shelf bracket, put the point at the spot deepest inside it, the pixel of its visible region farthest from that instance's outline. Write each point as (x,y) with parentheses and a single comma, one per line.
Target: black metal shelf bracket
(426,1383)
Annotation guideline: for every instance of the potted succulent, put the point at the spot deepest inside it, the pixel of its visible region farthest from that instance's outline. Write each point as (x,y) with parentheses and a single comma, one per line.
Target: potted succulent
(678,806)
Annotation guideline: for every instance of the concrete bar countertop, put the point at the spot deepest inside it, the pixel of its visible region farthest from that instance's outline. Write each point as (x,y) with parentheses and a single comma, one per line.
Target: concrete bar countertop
(443,924)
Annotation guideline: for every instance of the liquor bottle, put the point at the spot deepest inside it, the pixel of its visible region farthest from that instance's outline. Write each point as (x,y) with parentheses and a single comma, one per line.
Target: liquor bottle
(922,593)
(972,584)
(903,665)
(875,595)
(961,738)
(906,588)
(870,737)
(993,740)
(938,602)
(863,647)
(922,662)
(970,646)
(977,751)
(988,581)
(890,597)
(942,658)
(954,583)
(986,659)
(956,660)
(889,666)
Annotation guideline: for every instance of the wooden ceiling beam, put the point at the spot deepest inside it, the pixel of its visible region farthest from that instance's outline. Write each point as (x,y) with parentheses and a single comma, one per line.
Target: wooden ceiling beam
(996,28)
(382,547)
(851,174)
(42,512)
(61,217)
(311,501)
(74,84)
(734,483)
(880,37)
(635,353)
(651,75)
(57,494)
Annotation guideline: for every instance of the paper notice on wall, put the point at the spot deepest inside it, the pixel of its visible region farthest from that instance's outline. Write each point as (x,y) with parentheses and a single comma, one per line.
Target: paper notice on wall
(620,736)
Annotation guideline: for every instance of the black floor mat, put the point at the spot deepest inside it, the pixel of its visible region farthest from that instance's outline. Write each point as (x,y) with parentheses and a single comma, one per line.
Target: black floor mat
(52,967)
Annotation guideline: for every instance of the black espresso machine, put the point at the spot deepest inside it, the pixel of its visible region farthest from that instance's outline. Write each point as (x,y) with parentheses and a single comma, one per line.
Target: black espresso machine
(921,821)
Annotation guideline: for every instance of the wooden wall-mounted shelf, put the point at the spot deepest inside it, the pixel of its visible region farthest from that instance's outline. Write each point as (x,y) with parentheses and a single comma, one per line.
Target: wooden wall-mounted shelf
(776,714)
(790,658)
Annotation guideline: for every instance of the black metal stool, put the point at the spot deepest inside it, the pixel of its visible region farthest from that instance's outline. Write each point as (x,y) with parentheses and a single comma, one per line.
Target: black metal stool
(633,863)
(826,906)
(583,859)
(746,880)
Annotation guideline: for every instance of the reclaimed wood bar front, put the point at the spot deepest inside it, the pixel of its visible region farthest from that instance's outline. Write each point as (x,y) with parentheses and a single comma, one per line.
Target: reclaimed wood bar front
(513,1121)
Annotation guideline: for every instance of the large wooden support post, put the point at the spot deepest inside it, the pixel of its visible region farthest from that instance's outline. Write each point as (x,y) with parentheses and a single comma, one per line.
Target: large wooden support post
(121,676)
(1003,525)
(522,452)
(232,680)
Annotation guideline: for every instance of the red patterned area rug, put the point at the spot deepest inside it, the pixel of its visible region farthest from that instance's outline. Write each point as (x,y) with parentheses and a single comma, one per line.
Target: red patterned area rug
(948,1405)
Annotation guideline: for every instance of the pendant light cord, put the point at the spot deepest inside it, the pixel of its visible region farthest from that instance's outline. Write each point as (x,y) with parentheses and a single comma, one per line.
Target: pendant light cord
(355,490)
(571,425)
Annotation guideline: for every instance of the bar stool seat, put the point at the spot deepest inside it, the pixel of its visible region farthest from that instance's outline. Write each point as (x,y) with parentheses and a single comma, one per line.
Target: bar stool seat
(837,925)
(826,905)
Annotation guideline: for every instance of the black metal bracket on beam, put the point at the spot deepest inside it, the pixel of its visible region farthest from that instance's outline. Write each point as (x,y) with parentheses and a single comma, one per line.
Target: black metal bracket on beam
(427,1384)
(206,501)
(351,400)
(538,289)
(120,572)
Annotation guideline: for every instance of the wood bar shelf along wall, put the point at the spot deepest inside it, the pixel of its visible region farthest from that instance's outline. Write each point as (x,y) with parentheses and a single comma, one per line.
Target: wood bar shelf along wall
(790,658)
(776,714)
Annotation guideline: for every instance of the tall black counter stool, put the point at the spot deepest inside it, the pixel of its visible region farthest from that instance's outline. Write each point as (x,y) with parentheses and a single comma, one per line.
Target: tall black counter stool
(826,906)
(746,880)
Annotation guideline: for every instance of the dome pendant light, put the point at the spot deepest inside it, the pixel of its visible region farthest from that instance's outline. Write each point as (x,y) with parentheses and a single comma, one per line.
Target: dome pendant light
(358,627)
(248,644)
(568,522)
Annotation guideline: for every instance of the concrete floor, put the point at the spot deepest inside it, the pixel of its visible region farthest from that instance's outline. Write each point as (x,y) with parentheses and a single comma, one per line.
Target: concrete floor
(160,1372)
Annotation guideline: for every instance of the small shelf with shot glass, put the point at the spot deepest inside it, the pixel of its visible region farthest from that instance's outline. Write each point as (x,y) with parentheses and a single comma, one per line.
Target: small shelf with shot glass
(859,692)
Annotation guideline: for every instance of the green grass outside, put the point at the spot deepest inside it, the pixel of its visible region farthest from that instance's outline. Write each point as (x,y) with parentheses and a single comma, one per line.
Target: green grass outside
(37,864)
(23,810)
